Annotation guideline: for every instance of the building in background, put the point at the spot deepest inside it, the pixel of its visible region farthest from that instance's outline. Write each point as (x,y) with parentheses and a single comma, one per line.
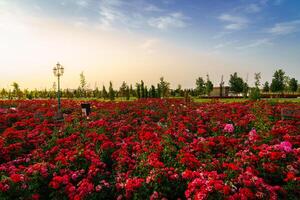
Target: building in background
(220,92)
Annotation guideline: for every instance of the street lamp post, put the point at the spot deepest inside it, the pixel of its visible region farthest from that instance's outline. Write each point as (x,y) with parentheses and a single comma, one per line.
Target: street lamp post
(58,71)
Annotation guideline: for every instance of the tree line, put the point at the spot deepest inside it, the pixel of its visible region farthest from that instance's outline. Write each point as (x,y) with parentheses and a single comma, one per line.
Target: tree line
(280,83)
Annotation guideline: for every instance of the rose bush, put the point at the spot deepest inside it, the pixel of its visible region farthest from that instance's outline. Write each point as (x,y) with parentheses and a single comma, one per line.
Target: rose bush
(148,149)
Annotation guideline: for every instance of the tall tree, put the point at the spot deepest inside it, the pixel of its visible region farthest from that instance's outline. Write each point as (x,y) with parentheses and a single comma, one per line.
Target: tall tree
(138,90)
(96,93)
(266,87)
(236,83)
(209,86)
(293,85)
(277,84)
(123,89)
(127,93)
(131,91)
(3,93)
(82,86)
(178,91)
(16,90)
(257,77)
(111,92)
(200,86)
(245,89)
(158,91)
(152,92)
(164,87)
(142,89)
(146,92)
(104,92)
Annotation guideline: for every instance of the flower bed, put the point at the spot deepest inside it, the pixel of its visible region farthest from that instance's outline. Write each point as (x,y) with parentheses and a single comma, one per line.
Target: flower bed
(148,149)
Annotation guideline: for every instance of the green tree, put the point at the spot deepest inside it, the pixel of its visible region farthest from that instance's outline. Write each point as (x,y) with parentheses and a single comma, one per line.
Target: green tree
(178,92)
(164,87)
(131,91)
(16,90)
(96,93)
(146,92)
(152,92)
(158,91)
(104,92)
(82,87)
(209,86)
(142,89)
(200,86)
(127,93)
(293,85)
(3,93)
(111,92)
(266,87)
(123,89)
(245,89)
(277,84)
(257,77)
(236,83)
(255,92)
(138,90)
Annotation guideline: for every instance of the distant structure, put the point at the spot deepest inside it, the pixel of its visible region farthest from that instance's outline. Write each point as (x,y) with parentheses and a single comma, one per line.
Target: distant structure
(222,91)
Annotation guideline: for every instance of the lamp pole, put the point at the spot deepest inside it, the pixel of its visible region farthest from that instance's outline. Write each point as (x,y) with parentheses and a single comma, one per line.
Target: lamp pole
(58,71)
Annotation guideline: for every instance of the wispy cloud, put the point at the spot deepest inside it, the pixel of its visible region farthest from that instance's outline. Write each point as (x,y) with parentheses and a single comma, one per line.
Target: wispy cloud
(172,20)
(82,3)
(110,12)
(253,8)
(225,44)
(153,8)
(234,22)
(149,45)
(256,43)
(285,28)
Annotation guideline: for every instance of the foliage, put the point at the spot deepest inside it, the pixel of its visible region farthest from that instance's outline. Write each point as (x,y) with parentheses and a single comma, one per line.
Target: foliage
(111,92)
(104,92)
(200,86)
(208,86)
(257,77)
(277,84)
(266,87)
(236,83)
(254,93)
(164,87)
(293,85)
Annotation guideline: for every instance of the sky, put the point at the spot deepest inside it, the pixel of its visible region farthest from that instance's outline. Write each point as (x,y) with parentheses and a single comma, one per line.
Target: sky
(133,40)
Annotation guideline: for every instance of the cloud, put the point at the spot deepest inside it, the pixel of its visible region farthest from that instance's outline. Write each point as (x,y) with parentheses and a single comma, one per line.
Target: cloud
(221,34)
(110,12)
(225,44)
(149,45)
(153,8)
(234,22)
(253,8)
(172,20)
(82,3)
(256,43)
(285,28)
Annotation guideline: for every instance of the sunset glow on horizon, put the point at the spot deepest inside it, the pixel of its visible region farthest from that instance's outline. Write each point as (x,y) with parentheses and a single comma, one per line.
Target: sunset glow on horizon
(118,40)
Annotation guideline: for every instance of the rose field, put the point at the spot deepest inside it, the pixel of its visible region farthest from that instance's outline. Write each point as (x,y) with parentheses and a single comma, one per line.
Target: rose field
(149,149)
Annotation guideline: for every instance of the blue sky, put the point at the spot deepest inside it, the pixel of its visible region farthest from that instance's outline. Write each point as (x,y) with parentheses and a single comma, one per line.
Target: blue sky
(193,37)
